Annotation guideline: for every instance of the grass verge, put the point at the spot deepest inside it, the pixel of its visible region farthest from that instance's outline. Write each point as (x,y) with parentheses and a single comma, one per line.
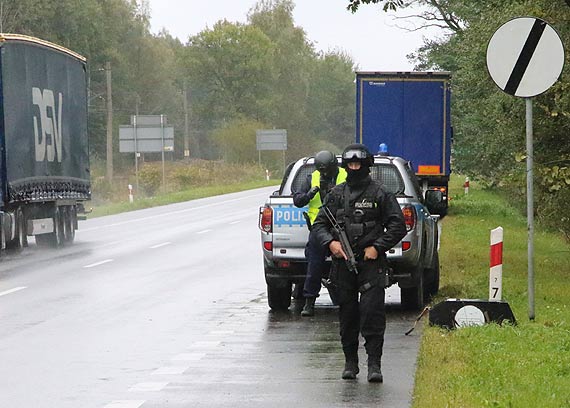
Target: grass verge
(176,197)
(525,365)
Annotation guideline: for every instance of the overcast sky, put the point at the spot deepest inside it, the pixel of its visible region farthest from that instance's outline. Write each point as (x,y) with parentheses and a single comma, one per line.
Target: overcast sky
(371,37)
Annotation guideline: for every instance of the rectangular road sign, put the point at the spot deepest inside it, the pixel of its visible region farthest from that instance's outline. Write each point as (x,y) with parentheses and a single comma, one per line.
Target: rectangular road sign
(149,139)
(271,139)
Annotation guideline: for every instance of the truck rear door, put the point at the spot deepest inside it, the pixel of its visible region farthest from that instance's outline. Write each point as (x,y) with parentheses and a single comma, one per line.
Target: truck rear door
(408,113)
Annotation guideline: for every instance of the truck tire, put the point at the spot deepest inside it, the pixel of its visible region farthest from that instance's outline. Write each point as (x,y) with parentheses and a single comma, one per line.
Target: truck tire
(69,225)
(53,239)
(21,239)
(279,297)
(432,287)
(413,298)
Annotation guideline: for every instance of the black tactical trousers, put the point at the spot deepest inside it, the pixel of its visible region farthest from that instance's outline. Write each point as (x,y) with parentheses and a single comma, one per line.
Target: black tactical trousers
(361,312)
(316,255)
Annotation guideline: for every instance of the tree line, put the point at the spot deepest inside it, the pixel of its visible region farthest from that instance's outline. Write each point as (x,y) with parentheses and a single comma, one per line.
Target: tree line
(265,73)
(236,77)
(489,126)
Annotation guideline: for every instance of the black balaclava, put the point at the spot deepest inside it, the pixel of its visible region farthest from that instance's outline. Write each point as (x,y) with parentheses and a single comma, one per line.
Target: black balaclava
(356,176)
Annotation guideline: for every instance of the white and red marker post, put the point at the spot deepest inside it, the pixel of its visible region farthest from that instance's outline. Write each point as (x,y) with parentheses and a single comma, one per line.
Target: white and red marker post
(496,265)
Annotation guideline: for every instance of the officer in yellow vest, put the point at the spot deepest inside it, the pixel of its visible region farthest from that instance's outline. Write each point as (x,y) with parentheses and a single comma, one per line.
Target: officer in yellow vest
(313,192)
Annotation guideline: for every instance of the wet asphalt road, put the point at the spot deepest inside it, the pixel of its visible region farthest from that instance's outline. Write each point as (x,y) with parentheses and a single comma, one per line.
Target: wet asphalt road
(255,358)
(166,307)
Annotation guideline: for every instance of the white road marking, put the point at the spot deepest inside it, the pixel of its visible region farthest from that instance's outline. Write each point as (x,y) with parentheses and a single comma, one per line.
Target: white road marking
(160,245)
(189,357)
(234,222)
(98,263)
(19,288)
(204,231)
(125,404)
(148,387)
(170,370)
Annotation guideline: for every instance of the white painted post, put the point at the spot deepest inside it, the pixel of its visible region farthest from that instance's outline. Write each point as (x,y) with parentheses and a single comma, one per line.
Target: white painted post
(496,264)
(131,198)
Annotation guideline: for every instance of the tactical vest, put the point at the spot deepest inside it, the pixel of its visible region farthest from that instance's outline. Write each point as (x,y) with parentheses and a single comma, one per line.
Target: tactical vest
(316,202)
(362,219)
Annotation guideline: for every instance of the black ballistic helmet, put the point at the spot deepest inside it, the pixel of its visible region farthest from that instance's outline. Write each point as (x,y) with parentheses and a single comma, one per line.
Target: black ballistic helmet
(326,162)
(357,152)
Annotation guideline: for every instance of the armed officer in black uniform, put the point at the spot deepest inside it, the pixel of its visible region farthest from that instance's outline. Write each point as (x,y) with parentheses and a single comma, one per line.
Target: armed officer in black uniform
(374,223)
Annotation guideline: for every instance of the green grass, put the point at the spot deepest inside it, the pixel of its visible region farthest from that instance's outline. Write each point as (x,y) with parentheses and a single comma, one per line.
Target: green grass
(180,196)
(526,365)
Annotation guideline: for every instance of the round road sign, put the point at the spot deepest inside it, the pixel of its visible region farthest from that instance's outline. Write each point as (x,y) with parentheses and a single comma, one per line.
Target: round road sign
(525,57)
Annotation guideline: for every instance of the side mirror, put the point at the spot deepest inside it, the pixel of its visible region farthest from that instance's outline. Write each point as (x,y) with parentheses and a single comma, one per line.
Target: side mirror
(434,201)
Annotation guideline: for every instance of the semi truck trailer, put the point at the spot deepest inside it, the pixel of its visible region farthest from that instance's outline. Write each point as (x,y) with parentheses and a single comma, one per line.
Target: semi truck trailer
(44,152)
(408,114)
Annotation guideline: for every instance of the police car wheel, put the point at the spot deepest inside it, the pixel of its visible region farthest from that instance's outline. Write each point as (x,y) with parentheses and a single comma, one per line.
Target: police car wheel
(279,297)
(413,298)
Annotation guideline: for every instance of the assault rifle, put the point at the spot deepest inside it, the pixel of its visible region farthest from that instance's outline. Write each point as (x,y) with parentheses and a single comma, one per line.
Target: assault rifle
(342,237)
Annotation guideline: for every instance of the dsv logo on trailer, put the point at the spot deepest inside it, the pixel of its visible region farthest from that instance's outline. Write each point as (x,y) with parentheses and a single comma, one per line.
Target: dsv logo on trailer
(48,132)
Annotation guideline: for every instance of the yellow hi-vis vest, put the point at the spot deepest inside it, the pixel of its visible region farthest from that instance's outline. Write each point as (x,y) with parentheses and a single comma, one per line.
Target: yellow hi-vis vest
(316,202)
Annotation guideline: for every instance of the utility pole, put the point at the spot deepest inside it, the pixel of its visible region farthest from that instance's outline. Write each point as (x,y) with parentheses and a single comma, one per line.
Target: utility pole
(109,124)
(186,137)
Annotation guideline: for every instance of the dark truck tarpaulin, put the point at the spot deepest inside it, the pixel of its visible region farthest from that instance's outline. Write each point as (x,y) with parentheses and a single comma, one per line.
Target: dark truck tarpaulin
(43,122)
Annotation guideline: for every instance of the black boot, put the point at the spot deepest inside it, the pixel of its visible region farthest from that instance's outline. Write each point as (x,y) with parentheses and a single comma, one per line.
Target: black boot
(350,366)
(309,309)
(374,369)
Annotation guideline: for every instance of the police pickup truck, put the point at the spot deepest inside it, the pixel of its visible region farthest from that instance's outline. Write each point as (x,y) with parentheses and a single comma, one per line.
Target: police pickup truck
(414,260)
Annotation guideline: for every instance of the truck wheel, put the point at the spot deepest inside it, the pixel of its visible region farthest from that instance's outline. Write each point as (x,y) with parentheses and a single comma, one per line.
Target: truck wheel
(69,225)
(53,239)
(413,298)
(432,287)
(21,239)
(279,297)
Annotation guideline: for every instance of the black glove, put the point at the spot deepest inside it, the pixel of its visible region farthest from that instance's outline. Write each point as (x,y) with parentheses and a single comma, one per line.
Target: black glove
(313,191)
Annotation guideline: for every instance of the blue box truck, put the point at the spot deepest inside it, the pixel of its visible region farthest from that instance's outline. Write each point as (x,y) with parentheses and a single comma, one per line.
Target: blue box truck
(409,113)
(44,156)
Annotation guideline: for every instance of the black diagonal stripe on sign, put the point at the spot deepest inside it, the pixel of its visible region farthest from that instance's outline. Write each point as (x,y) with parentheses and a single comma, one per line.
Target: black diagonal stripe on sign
(525,56)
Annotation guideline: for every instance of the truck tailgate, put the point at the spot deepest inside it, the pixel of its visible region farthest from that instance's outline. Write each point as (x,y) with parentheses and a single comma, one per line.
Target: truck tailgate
(290,232)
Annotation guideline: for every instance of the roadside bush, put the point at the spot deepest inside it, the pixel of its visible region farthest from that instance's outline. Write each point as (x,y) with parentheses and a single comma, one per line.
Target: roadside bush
(101,188)
(180,176)
(150,178)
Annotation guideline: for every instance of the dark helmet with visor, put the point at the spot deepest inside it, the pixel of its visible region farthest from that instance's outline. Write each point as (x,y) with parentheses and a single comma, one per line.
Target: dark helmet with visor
(326,163)
(357,152)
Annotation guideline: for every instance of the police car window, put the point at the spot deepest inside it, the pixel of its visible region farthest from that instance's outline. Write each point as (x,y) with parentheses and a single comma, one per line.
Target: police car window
(388,175)
(285,176)
(301,176)
(415,181)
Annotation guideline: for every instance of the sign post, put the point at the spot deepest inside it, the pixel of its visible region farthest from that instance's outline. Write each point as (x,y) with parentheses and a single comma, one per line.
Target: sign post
(525,57)
(146,134)
(496,265)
